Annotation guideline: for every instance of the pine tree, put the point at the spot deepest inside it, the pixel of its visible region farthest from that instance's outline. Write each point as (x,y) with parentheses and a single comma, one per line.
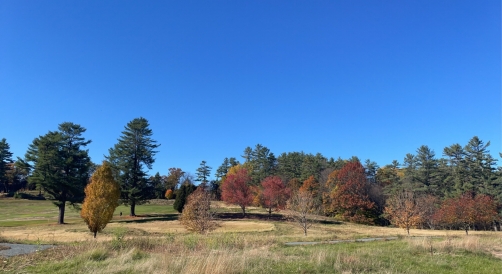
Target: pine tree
(5,159)
(134,151)
(426,169)
(480,165)
(101,199)
(60,165)
(203,173)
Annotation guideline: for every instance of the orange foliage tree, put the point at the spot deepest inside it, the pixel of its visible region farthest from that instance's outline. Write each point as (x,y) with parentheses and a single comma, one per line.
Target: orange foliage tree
(169,194)
(235,189)
(101,199)
(350,197)
(311,185)
(403,210)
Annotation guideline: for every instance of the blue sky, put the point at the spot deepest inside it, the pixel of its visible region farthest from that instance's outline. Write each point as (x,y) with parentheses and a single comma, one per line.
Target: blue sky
(374,79)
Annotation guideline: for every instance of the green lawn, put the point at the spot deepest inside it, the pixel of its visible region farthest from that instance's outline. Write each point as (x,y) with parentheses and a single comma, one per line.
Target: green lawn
(22,212)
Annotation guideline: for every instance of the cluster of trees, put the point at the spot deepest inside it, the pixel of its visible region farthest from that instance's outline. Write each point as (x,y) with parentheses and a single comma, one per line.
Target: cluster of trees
(422,192)
(436,193)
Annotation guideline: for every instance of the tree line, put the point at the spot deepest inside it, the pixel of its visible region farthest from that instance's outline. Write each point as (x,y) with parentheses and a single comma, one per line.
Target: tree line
(460,190)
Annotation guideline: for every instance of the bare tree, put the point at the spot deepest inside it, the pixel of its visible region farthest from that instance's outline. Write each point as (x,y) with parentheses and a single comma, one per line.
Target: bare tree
(303,210)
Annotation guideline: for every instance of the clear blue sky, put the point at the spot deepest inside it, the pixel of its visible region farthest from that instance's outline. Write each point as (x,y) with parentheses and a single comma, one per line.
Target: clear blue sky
(374,79)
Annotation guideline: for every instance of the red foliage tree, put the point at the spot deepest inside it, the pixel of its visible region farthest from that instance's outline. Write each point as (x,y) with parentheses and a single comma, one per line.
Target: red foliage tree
(457,212)
(275,194)
(235,189)
(486,208)
(467,211)
(351,200)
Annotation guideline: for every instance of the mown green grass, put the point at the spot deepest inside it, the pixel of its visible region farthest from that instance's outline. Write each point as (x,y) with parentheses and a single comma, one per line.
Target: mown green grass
(22,212)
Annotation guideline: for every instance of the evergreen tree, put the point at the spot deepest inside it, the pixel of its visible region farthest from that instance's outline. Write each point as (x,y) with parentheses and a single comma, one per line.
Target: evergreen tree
(203,173)
(480,166)
(134,151)
(289,165)
(371,169)
(5,159)
(456,172)
(158,185)
(248,151)
(223,169)
(312,165)
(427,167)
(60,165)
(262,162)
(182,194)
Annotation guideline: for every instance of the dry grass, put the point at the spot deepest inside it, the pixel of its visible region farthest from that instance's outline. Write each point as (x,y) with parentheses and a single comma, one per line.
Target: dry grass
(225,252)
(79,232)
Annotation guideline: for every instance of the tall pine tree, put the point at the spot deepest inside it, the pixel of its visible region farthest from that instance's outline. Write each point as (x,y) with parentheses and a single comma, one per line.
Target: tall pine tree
(133,153)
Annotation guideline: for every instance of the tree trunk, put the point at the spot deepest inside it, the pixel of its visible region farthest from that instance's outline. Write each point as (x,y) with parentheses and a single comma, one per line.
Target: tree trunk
(61,213)
(408,229)
(133,208)
(243,211)
(466,231)
(95,232)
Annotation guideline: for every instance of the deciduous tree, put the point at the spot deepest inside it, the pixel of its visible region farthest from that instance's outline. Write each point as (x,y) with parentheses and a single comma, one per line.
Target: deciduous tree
(174,178)
(169,194)
(302,209)
(235,189)
(101,199)
(351,200)
(275,193)
(197,215)
(403,210)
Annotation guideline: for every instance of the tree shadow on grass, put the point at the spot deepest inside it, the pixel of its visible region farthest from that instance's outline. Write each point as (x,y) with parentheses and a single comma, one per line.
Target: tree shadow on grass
(267,217)
(145,218)
(250,216)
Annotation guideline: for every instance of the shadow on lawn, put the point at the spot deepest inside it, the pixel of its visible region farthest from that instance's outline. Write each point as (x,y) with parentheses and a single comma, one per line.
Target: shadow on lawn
(145,218)
(266,217)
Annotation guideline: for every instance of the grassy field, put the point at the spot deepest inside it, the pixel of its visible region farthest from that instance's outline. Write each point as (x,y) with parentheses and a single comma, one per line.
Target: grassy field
(155,242)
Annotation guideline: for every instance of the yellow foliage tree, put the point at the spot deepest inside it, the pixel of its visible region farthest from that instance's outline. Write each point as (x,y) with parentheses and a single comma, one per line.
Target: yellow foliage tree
(101,199)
